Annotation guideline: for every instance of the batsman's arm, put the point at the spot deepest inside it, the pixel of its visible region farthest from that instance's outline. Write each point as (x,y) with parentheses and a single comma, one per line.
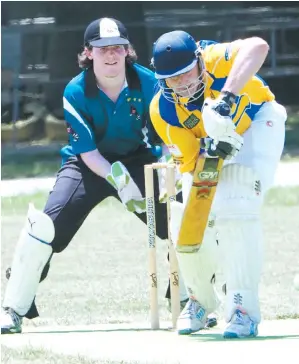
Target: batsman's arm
(250,55)
(237,61)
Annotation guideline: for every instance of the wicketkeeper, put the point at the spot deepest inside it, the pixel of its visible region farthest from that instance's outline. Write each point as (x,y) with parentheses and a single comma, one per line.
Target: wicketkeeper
(110,140)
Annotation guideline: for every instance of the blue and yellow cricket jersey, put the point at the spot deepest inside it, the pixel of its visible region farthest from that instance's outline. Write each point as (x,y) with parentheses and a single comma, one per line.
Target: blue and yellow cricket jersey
(180,126)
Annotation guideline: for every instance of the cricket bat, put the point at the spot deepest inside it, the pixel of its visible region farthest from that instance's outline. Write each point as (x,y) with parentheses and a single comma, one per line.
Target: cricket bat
(201,196)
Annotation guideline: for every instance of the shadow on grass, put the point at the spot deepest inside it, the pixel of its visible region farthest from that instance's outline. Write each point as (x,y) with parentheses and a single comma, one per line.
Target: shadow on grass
(219,337)
(206,337)
(80,331)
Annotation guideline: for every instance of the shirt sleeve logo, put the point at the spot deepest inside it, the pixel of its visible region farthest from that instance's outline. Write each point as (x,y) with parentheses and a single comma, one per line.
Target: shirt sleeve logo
(72,132)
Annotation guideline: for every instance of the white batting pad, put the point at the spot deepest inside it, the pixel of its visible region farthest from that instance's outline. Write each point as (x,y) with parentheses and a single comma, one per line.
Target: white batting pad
(197,267)
(31,255)
(182,287)
(187,179)
(237,207)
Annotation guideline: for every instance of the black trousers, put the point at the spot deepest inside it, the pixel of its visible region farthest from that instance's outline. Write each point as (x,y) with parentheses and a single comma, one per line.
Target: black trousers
(78,190)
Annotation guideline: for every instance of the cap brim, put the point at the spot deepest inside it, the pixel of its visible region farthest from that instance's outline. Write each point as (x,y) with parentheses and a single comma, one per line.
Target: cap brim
(105,42)
(176,72)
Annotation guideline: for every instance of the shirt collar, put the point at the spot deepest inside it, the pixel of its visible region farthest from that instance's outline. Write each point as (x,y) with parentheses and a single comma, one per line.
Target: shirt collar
(124,85)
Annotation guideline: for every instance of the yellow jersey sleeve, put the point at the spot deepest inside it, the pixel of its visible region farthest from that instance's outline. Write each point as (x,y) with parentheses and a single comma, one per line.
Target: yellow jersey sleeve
(219,59)
(182,143)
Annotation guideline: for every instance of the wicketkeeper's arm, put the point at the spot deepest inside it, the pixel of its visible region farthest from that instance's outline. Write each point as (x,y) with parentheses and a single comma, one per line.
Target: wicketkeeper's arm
(96,163)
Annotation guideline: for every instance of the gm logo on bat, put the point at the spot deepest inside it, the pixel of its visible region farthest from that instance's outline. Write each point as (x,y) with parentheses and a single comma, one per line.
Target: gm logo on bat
(205,175)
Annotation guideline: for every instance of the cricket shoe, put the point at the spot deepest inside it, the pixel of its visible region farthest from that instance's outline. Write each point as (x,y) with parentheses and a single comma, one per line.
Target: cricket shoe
(240,326)
(211,319)
(192,318)
(11,322)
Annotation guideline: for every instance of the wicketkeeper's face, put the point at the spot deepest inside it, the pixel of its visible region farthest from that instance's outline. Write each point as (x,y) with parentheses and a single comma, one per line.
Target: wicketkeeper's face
(110,60)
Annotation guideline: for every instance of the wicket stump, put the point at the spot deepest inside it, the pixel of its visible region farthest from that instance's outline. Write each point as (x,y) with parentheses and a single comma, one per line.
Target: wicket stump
(151,225)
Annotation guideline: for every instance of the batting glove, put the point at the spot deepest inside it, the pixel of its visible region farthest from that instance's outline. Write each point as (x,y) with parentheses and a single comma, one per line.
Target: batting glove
(219,126)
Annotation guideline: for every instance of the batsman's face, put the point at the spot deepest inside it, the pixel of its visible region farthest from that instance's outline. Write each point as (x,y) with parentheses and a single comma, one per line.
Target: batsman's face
(186,84)
(109,61)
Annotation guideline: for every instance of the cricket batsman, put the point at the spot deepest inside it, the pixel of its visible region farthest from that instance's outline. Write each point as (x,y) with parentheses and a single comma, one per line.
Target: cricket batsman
(212,101)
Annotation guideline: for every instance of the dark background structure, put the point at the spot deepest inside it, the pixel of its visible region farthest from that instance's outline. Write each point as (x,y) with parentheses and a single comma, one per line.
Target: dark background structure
(40,42)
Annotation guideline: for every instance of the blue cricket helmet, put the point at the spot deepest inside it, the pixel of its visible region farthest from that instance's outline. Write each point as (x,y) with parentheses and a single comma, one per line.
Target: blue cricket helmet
(174,53)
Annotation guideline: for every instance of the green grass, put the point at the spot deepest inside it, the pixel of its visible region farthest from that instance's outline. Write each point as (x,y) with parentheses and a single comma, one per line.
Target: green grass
(277,196)
(102,276)
(30,355)
(47,165)
(109,243)
(28,166)
(283,196)
(292,134)
(293,114)
(19,204)
(295,316)
(36,165)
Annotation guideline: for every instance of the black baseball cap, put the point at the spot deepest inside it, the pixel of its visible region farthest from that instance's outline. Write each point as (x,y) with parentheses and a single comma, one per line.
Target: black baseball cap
(104,32)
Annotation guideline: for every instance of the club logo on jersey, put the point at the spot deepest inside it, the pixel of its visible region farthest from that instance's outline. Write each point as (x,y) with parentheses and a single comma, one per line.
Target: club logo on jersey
(134,112)
(269,123)
(191,122)
(72,132)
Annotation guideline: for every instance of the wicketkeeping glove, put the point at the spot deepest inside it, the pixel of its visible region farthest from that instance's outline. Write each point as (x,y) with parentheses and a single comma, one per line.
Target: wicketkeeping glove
(128,192)
(162,179)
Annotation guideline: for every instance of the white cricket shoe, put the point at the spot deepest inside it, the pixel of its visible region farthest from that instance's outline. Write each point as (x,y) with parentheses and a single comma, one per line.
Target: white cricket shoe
(192,318)
(11,322)
(240,326)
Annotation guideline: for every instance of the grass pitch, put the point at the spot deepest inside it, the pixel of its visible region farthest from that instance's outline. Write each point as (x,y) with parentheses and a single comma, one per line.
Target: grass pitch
(102,276)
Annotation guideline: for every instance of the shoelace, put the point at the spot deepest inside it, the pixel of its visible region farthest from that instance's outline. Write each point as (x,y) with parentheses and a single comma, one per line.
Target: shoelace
(190,308)
(239,319)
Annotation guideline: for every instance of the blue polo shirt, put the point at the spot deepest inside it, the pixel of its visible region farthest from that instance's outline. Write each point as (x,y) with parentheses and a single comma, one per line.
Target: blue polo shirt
(96,122)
